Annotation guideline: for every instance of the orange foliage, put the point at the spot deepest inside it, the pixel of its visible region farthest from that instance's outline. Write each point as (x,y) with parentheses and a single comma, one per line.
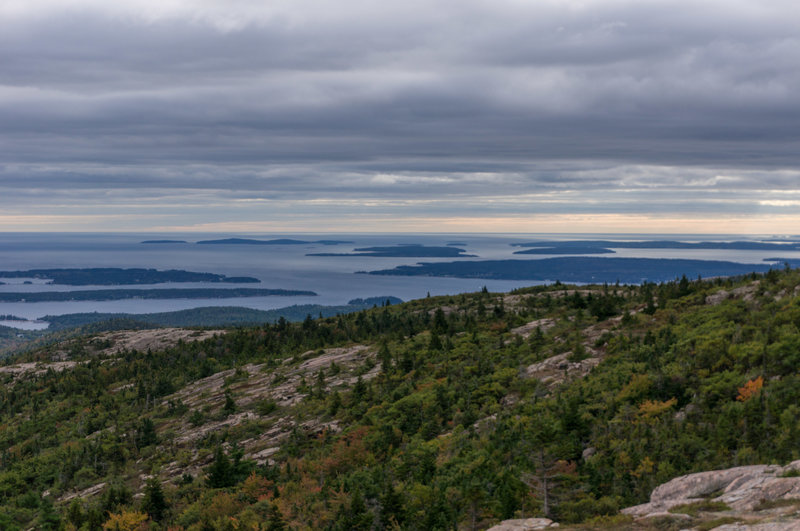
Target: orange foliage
(349,452)
(750,389)
(566,468)
(257,487)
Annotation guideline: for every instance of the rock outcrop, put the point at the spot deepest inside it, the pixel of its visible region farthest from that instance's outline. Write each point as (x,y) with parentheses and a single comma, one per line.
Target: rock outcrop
(758,496)
(558,369)
(527,524)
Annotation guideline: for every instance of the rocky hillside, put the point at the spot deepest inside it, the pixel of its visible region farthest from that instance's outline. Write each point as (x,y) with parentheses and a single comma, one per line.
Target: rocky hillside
(549,404)
(755,497)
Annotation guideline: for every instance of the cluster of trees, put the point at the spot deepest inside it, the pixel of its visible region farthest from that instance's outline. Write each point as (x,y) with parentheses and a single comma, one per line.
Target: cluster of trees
(447,431)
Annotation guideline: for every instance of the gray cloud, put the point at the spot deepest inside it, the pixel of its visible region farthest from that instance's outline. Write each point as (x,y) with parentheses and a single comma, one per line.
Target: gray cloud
(356,101)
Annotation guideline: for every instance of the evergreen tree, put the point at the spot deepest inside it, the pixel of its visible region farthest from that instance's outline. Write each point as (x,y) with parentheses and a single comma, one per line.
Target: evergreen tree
(391,507)
(276,521)
(230,405)
(154,503)
(220,473)
(48,520)
(146,433)
(75,513)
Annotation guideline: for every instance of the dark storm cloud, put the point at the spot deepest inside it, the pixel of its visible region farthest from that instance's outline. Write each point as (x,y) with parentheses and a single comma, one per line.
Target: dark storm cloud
(358,100)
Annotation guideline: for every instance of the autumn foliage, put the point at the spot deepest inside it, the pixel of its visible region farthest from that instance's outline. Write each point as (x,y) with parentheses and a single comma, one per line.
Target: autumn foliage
(750,389)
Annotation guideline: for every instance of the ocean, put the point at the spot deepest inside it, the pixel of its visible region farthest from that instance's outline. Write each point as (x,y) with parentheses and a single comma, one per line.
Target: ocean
(333,278)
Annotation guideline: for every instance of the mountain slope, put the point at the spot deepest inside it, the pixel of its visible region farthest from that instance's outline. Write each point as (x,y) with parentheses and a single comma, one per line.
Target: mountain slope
(444,412)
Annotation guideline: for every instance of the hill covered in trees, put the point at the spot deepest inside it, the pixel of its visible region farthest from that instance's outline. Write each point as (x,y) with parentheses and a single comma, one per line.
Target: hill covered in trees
(441,413)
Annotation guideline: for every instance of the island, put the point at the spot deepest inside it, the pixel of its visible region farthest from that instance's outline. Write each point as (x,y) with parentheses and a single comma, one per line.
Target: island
(579,269)
(213,315)
(404,251)
(663,244)
(164,241)
(112,276)
(121,294)
(280,241)
(567,249)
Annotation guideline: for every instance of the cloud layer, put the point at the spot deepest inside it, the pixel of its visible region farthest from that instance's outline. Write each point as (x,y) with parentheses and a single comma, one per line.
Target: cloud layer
(181,114)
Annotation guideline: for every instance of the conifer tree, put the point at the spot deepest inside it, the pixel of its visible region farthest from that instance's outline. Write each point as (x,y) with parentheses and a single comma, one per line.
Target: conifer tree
(154,503)
(220,473)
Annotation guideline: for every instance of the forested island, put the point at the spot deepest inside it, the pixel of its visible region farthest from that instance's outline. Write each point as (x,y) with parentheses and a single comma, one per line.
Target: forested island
(607,245)
(567,249)
(404,251)
(114,276)
(176,293)
(216,315)
(579,269)
(280,241)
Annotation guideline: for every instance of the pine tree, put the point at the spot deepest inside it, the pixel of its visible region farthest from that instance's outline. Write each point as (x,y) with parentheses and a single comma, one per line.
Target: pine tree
(230,404)
(146,433)
(220,473)
(75,513)
(49,520)
(154,503)
(276,521)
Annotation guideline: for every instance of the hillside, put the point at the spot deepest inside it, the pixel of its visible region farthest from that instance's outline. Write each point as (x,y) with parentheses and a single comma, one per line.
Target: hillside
(563,402)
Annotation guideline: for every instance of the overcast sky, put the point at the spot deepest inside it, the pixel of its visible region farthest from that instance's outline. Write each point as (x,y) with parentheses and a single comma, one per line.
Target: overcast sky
(435,115)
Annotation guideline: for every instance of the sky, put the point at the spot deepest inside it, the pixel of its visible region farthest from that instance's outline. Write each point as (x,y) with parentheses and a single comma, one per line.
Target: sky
(279,116)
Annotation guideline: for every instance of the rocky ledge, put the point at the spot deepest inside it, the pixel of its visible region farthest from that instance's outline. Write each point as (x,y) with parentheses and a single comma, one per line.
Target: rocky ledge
(745,498)
(757,497)
(525,524)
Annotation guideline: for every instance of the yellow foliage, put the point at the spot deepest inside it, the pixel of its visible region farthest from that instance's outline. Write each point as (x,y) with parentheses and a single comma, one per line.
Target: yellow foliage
(750,389)
(645,467)
(636,387)
(222,504)
(653,408)
(126,521)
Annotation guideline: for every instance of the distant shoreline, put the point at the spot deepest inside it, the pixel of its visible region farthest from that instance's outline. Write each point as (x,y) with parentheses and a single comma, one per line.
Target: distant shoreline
(115,276)
(280,241)
(579,269)
(177,293)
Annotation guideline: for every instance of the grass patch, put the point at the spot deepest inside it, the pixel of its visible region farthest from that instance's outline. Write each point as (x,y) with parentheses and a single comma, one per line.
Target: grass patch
(791,473)
(763,505)
(693,509)
(265,407)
